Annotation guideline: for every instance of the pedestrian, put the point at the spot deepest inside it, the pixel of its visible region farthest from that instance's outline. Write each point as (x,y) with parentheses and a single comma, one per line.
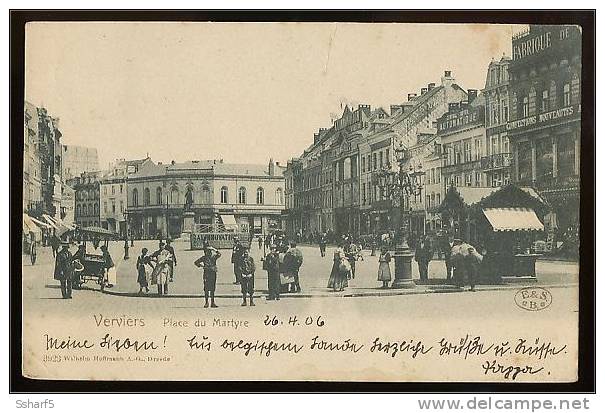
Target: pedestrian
(447,254)
(247,269)
(458,263)
(78,260)
(260,242)
(473,262)
(293,261)
(142,261)
(126,249)
(108,265)
(340,269)
(384,268)
(208,263)
(271,265)
(423,255)
(63,270)
(236,256)
(172,262)
(161,272)
(55,243)
(353,253)
(322,244)
(374,245)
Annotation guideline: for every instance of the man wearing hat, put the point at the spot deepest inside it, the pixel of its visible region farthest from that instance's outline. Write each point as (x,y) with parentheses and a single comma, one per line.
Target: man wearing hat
(236,256)
(63,270)
(208,263)
(271,265)
(246,270)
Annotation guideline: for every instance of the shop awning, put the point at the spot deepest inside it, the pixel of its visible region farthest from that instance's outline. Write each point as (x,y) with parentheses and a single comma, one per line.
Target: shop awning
(228,220)
(513,219)
(39,223)
(50,221)
(29,225)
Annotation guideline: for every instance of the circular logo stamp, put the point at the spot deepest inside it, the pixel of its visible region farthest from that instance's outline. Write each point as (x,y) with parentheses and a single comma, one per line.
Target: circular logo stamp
(533,298)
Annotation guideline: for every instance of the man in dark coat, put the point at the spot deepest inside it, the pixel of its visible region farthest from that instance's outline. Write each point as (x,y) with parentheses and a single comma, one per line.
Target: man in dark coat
(323,241)
(172,263)
(246,269)
(423,256)
(295,260)
(63,270)
(208,263)
(236,256)
(271,265)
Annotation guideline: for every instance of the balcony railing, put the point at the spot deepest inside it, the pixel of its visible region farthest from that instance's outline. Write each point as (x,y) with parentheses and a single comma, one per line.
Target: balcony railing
(500,160)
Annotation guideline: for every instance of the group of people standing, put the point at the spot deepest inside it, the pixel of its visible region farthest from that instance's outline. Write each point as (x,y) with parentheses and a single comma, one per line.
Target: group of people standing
(156,268)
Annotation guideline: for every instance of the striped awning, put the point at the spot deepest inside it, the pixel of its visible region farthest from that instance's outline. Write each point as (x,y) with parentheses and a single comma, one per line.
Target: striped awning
(513,219)
(228,220)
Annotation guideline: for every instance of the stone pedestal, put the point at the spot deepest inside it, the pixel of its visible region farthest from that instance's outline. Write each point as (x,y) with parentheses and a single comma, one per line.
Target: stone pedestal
(403,267)
(188,222)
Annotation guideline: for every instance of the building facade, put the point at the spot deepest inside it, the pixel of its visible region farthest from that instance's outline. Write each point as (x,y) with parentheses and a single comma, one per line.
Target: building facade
(462,135)
(32,168)
(113,194)
(498,158)
(252,195)
(545,111)
(78,159)
(87,195)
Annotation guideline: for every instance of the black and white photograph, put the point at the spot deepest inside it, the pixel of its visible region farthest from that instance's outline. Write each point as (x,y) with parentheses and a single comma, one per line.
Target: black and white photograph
(302,201)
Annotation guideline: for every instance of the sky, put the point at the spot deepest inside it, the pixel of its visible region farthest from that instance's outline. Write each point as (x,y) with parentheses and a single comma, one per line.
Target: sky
(243,92)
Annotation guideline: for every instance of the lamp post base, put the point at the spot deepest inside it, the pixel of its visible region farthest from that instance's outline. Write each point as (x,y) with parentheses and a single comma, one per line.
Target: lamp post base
(403,267)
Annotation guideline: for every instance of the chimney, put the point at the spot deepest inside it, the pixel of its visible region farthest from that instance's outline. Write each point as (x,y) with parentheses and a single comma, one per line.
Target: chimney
(271,167)
(315,137)
(411,96)
(431,85)
(396,110)
(423,90)
(172,162)
(472,95)
(447,79)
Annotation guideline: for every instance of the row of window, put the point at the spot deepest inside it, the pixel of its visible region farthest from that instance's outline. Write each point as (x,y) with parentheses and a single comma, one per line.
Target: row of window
(87,209)
(548,98)
(375,160)
(113,207)
(174,196)
(468,150)
(113,189)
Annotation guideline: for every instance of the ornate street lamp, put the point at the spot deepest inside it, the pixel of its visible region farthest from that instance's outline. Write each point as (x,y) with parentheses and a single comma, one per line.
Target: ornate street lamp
(397,184)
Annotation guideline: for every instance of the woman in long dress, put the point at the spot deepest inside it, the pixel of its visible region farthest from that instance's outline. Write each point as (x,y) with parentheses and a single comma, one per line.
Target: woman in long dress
(338,278)
(384,269)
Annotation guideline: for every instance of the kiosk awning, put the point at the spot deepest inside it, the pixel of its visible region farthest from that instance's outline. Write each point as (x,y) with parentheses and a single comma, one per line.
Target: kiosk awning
(228,220)
(513,219)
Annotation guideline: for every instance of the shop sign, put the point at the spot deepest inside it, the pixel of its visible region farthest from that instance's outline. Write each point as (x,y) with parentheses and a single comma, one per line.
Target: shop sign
(543,118)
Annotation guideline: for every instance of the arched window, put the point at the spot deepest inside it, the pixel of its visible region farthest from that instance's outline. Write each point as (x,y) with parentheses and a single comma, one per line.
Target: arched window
(78,211)
(84,210)
(260,196)
(135,197)
(206,195)
(158,196)
(224,195)
(146,197)
(241,195)
(279,196)
(174,196)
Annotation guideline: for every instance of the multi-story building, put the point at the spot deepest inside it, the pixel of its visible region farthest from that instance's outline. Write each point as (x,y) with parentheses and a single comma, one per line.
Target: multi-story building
(220,192)
(49,147)
(113,193)
(78,159)
(32,168)
(498,159)
(68,205)
(544,125)
(87,196)
(434,186)
(462,134)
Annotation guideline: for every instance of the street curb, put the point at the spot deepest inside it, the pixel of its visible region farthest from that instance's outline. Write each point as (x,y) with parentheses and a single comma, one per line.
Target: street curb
(378,293)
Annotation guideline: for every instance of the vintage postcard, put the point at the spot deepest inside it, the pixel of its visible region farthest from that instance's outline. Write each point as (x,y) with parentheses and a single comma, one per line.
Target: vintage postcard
(301,202)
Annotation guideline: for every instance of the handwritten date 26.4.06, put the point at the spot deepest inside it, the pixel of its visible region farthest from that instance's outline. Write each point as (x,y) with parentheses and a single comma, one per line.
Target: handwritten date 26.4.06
(294,320)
